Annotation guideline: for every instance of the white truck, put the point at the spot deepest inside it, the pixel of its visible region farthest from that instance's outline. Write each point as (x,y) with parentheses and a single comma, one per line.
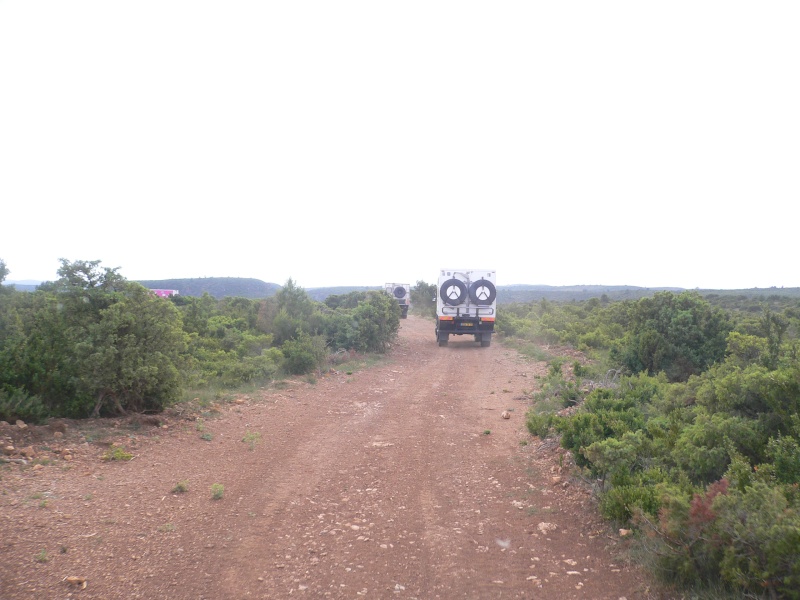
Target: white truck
(466,304)
(401,292)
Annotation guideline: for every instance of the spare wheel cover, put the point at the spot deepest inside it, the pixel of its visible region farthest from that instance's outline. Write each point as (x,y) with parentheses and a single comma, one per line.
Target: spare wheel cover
(453,292)
(482,292)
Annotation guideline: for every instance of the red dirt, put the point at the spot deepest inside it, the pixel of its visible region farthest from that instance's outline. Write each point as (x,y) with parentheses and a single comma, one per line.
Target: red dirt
(402,480)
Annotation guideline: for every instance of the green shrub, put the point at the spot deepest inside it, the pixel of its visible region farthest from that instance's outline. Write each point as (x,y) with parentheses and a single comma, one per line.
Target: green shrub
(620,503)
(116,453)
(18,404)
(784,453)
(304,354)
(760,534)
(217,491)
(539,424)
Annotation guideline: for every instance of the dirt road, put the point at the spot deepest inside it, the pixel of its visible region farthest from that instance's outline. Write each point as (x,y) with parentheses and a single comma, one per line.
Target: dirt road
(399,481)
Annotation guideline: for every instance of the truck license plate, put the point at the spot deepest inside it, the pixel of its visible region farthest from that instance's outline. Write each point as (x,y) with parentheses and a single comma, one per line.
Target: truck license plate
(467,324)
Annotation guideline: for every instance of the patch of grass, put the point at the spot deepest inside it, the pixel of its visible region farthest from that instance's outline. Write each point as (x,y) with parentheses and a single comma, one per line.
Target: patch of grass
(200,426)
(166,528)
(116,453)
(181,487)
(42,557)
(352,362)
(251,438)
(217,491)
(207,437)
(529,349)
(95,434)
(43,504)
(487,432)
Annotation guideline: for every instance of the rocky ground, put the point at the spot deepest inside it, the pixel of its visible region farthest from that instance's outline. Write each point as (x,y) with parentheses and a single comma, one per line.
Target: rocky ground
(402,480)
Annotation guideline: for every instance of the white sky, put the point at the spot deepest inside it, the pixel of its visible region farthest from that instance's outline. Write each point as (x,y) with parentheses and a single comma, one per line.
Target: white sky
(358,143)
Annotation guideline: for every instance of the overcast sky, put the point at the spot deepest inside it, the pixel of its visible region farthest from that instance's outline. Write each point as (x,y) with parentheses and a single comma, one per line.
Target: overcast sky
(358,143)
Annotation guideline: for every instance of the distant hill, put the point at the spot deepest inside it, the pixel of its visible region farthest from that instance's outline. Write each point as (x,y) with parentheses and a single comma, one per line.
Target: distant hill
(218,287)
(508,294)
(319,294)
(23,286)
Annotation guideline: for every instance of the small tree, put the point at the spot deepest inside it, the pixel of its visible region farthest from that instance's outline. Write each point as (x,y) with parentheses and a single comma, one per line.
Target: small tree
(423,299)
(3,271)
(131,355)
(378,322)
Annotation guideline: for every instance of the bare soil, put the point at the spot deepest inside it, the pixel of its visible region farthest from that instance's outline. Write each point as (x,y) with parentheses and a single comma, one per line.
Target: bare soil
(402,480)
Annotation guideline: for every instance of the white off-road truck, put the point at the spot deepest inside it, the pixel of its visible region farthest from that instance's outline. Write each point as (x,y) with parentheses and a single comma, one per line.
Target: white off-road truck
(401,292)
(466,304)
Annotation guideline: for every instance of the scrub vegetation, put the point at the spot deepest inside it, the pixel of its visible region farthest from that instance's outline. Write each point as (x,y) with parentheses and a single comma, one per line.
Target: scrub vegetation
(684,416)
(95,344)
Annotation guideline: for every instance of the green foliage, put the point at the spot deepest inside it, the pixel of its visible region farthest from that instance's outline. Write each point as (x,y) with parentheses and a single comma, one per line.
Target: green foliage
(303,354)
(131,354)
(759,532)
(347,301)
(620,502)
(378,319)
(3,274)
(705,447)
(701,446)
(681,335)
(92,341)
(17,404)
(251,438)
(539,424)
(217,491)
(116,453)
(423,299)
(784,456)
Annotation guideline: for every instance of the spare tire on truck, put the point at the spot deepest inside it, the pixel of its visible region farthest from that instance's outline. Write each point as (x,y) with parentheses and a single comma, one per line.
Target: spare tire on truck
(453,292)
(482,292)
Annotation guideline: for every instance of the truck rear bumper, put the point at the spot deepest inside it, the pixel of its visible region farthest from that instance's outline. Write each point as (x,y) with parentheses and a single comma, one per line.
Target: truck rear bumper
(464,325)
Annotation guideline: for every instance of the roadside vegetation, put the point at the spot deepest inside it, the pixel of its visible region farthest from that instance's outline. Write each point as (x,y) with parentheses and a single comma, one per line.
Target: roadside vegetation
(682,412)
(95,344)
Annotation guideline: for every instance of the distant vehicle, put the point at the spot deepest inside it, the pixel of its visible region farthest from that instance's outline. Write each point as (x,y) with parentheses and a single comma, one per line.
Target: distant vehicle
(466,304)
(401,292)
(165,293)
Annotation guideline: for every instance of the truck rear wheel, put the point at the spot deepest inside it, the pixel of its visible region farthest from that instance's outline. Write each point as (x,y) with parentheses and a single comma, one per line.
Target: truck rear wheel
(442,338)
(486,340)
